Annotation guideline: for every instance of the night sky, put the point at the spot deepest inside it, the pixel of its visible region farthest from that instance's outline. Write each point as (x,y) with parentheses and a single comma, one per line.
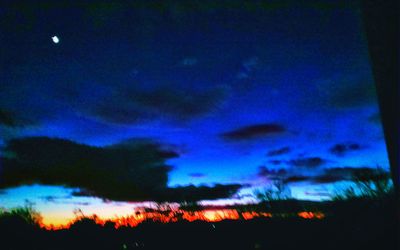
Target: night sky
(153,98)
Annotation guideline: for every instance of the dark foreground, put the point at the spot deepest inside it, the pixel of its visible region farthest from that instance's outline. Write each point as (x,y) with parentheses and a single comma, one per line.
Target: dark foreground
(358,227)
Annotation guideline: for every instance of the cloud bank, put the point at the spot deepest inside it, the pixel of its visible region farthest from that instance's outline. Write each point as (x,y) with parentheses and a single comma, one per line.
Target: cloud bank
(133,171)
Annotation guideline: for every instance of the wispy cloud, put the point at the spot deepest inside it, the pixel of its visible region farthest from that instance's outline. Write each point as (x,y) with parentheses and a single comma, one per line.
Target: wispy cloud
(197,175)
(279,151)
(308,162)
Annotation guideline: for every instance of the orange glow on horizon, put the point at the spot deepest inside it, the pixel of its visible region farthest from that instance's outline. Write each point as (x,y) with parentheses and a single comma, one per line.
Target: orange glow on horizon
(170,216)
(311,215)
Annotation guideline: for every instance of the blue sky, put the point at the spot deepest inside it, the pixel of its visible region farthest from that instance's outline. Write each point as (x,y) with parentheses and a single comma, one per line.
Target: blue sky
(222,88)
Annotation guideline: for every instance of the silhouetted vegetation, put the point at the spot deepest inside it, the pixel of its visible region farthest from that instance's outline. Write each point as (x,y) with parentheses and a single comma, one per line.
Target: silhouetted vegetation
(189,206)
(275,192)
(368,184)
(26,214)
(350,224)
(362,217)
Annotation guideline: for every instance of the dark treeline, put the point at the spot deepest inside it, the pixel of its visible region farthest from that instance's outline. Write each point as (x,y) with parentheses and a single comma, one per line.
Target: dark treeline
(350,224)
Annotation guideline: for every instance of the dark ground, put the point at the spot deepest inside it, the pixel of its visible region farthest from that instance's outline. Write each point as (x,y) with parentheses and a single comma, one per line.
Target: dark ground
(354,226)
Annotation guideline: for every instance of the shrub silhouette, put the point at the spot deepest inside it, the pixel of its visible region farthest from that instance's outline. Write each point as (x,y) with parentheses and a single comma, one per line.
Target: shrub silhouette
(275,192)
(27,215)
(368,183)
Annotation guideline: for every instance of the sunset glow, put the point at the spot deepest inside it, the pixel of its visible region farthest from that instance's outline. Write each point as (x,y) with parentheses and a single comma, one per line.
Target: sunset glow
(210,215)
(256,118)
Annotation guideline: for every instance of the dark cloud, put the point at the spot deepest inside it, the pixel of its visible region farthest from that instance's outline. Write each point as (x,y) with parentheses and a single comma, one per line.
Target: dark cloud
(281,175)
(279,151)
(332,175)
(119,112)
(84,192)
(196,193)
(49,198)
(131,171)
(359,173)
(341,149)
(63,200)
(320,179)
(275,162)
(55,199)
(117,172)
(272,174)
(308,162)
(181,103)
(296,178)
(254,131)
(185,193)
(197,175)
(78,203)
(326,178)
(126,106)
(49,91)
